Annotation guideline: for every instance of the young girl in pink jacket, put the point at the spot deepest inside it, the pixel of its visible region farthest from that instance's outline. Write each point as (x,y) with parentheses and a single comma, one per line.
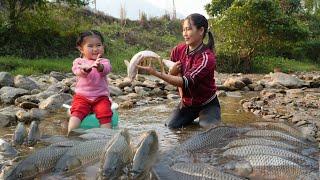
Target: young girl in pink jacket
(91,91)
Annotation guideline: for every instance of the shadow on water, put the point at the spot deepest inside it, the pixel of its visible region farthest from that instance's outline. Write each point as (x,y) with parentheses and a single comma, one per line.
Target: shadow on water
(144,118)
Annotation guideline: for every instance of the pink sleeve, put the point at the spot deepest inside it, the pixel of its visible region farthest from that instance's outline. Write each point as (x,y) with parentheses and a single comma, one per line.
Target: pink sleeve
(106,67)
(76,69)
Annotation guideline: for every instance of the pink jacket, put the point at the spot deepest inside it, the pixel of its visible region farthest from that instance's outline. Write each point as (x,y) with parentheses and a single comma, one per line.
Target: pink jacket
(93,84)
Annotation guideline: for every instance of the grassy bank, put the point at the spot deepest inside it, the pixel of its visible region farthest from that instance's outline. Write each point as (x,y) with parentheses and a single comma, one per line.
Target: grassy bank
(22,66)
(267,64)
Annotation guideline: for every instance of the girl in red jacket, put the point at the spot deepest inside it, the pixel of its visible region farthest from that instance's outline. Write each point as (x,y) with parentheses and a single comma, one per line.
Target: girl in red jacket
(195,62)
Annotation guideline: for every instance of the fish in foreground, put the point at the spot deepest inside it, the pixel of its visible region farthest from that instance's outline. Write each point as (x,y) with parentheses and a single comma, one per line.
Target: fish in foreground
(212,138)
(34,133)
(271,167)
(279,126)
(276,134)
(258,141)
(202,170)
(41,161)
(243,151)
(20,134)
(145,155)
(80,155)
(117,154)
(6,149)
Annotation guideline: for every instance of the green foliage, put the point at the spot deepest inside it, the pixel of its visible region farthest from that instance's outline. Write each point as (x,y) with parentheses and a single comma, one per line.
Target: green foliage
(263,64)
(246,29)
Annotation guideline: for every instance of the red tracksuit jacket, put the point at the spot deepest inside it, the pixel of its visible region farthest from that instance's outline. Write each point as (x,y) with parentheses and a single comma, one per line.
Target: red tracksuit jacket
(197,68)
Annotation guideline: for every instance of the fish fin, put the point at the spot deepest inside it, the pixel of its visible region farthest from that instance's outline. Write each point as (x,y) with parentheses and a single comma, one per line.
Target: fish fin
(126,62)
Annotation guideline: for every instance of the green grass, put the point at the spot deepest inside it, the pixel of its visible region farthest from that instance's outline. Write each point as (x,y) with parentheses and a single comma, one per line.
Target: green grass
(267,64)
(16,65)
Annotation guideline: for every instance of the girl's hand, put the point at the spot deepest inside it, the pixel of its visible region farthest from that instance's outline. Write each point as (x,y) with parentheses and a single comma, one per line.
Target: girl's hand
(97,64)
(85,67)
(149,69)
(176,69)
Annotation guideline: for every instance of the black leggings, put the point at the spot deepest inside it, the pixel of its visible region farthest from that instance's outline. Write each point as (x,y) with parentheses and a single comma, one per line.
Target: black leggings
(208,114)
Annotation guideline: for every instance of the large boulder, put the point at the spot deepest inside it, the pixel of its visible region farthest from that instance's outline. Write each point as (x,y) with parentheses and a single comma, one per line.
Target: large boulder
(234,84)
(287,80)
(57,75)
(25,83)
(9,94)
(55,102)
(9,113)
(6,79)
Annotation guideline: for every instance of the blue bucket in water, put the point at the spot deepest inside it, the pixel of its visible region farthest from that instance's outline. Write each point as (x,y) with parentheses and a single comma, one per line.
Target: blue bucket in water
(91,121)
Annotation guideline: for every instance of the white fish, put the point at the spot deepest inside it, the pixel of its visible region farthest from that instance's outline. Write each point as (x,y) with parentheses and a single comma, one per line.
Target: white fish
(137,58)
(168,63)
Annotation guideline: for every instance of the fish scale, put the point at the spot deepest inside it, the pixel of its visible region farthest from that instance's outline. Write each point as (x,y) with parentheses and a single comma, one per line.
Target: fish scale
(279,126)
(43,160)
(86,152)
(203,170)
(20,134)
(258,141)
(146,154)
(212,138)
(269,166)
(116,155)
(260,149)
(276,134)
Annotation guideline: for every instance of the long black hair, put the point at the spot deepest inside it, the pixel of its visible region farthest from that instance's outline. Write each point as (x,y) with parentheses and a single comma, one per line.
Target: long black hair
(88,33)
(201,21)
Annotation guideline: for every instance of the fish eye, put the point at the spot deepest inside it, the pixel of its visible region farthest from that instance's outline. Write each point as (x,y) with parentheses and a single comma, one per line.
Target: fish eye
(20,175)
(66,169)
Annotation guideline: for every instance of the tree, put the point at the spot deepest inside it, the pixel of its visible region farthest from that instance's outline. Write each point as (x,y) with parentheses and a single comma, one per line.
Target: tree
(15,8)
(251,27)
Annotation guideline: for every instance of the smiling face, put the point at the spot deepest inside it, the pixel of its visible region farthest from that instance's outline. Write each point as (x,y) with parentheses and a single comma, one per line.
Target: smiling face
(91,47)
(192,36)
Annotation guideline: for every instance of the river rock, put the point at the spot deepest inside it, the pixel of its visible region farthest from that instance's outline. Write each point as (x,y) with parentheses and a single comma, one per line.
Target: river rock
(234,84)
(6,79)
(26,98)
(294,93)
(69,81)
(28,116)
(25,83)
(57,75)
(309,132)
(128,89)
(173,96)
(287,80)
(115,91)
(9,94)
(55,101)
(149,84)
(10,113)
(123,83)
(28,105)
(126,105)
(141,91)
(221,93)
(170,87)
(4,120)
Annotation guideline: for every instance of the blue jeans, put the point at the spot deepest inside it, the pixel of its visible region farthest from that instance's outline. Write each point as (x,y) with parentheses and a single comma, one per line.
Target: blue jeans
(209,114)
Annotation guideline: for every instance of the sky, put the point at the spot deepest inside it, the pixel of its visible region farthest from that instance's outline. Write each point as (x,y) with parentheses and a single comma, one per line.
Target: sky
(152,8)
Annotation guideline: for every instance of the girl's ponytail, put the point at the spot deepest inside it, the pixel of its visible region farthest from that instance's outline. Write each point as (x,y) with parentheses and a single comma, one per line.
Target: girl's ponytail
(210,44)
